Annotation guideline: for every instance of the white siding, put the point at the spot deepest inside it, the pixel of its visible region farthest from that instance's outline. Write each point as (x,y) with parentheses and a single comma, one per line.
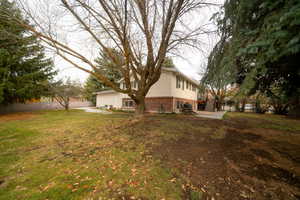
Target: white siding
(162,88)
(182,93)
(109,99)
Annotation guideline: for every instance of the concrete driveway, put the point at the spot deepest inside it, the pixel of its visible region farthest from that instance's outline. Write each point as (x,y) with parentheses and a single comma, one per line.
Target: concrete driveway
(211,115)
(94,110)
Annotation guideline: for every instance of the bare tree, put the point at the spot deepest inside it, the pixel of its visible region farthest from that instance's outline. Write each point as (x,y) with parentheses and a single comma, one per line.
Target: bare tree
(144,31)
(62,91)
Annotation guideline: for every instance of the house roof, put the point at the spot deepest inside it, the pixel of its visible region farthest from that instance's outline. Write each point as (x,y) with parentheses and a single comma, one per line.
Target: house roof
(105,92)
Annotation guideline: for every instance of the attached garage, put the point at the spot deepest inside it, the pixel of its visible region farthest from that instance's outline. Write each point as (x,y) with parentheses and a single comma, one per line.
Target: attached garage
(109,99)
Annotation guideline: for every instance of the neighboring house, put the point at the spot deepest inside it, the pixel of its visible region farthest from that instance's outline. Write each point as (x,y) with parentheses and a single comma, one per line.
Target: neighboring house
(168,94)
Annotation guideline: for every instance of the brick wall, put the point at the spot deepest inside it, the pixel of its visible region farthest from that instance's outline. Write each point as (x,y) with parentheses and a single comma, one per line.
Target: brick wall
(153,104)
(159,104)
(163,104)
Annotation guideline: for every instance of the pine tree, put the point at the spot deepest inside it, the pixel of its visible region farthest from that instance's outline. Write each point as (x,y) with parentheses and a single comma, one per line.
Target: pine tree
(24,68)
(264,47)
(168,63)
(107,66)
(91,86)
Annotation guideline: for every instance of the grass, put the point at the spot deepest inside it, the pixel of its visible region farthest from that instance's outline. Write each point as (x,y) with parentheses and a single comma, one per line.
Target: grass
(278,122)
(78,155)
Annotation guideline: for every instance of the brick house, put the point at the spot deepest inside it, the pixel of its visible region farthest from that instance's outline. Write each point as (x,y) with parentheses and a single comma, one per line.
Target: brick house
(168,94)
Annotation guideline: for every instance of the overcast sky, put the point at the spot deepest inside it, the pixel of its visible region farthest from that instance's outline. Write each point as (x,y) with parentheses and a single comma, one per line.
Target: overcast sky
(190,64)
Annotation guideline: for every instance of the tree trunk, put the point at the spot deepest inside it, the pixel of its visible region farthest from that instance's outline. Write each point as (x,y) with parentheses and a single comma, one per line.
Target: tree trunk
(294,108)
(242,109)
(140,106)
(67,104)
(294,111)
(237,106)
(214,105)
(280,109)
(218,105)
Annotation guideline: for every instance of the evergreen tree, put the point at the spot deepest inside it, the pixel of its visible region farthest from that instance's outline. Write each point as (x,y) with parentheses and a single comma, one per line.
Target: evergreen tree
(107,66)
(24,69)
(168,63)
(264,47)
(109,63)
(91,86)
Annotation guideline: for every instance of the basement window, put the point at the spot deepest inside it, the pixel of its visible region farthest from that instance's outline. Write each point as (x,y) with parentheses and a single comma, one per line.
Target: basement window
(179,104)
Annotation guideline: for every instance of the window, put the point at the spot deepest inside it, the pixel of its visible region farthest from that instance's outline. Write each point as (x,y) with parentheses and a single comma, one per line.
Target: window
(179,104)
(194,88)
(183,84)
(178,81)
(135,84)
(188,85)
(128,103)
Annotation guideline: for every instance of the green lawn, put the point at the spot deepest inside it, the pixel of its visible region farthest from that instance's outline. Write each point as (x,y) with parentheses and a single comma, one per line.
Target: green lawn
(78,155)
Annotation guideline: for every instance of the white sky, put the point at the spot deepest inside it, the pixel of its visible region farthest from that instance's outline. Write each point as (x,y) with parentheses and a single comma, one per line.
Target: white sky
(190,65)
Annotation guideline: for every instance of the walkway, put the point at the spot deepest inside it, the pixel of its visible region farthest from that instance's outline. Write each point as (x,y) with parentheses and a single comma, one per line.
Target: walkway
(211,115)
(94,110)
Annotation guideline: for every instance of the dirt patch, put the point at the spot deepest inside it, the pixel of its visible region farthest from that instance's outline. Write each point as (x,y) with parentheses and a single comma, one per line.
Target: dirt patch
(3,183)
(16,116)
(287,150)
(263,154)
(268,172)
(234,163)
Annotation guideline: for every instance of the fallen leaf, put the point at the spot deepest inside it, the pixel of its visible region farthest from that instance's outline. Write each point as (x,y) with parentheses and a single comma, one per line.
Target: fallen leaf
(173,180)
(110,183)
(70,186)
